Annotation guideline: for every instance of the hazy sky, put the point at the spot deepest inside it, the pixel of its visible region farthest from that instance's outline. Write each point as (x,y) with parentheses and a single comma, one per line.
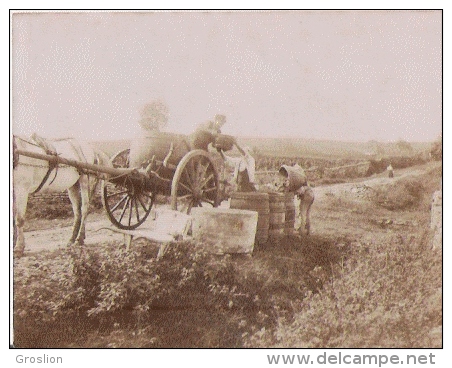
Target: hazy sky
(340,75)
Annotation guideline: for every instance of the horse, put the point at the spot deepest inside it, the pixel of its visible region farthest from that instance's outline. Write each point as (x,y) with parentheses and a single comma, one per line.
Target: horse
(31,175)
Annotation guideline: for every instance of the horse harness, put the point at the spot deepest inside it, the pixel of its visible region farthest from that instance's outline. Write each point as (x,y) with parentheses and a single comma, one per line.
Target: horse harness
(50,150)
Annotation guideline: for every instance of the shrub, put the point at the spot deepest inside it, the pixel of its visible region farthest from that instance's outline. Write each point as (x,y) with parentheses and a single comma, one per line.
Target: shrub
(402,195)
(106,279)
(397,162)
(100,285)
(436,151)
(110,279)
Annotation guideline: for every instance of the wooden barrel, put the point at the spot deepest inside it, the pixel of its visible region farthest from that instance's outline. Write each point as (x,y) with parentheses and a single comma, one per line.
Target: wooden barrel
(158,145)
(290,213)
(277,214)
(258,202)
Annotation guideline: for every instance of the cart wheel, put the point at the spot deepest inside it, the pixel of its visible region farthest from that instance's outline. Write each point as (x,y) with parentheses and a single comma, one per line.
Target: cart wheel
(195,182)
(127,206)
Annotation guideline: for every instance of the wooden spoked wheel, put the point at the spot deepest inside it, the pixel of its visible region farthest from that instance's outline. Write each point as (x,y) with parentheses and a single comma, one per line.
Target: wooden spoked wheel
(126,202)
(195,183)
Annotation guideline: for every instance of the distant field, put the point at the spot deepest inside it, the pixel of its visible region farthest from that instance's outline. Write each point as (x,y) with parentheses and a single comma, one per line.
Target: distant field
(298,147)
(111,147)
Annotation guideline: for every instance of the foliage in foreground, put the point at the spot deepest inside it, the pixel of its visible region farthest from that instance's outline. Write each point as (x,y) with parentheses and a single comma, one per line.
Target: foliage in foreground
(214,301)
(386,295)
(111,278)
(101,283)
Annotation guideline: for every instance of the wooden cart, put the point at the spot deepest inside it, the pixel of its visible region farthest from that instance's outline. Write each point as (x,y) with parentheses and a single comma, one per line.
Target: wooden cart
(158,164)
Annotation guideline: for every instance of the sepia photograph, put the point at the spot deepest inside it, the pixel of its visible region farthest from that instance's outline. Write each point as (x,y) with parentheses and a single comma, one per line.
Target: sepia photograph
(227,179)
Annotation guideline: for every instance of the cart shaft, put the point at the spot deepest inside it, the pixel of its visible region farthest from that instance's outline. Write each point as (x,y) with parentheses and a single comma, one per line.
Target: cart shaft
(97,169)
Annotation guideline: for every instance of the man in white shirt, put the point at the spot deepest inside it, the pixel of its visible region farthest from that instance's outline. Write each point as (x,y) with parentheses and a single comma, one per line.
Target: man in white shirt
(244,169)
(390,171)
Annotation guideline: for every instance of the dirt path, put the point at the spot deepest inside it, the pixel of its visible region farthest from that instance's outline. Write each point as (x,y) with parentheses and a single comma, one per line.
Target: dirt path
(372,183)
(54,238)
(56,233)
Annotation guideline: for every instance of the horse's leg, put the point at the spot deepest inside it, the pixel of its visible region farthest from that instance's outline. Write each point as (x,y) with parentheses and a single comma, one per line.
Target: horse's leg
(20,207)
(74,196)
(85,200)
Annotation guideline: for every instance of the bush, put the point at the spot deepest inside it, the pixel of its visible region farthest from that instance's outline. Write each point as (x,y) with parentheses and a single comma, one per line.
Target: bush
(397,162)
(403,195)
(102,285)
(103,280)
(436,151)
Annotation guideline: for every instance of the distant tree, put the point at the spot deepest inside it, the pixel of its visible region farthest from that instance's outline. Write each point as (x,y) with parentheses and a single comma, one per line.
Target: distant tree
(436,151)
(404,147)
(154,115)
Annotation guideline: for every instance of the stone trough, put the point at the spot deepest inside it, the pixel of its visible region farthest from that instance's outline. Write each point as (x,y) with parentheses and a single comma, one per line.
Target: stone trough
(223,230)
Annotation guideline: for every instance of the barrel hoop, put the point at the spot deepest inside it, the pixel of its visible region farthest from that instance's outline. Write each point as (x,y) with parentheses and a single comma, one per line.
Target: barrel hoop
(254,204)
(278,213)
(276,226)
